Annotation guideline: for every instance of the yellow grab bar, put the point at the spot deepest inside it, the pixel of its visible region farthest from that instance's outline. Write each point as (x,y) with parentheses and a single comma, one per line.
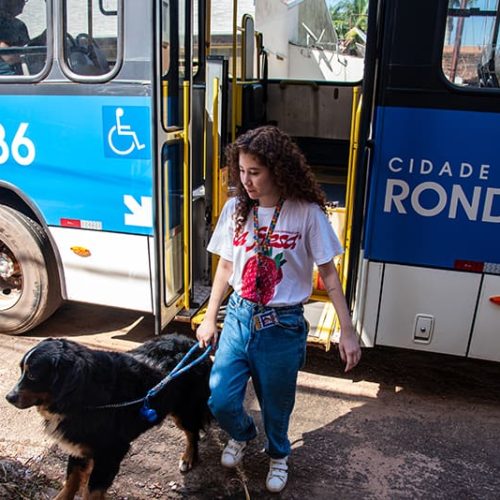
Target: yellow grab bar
(187,195)
(333,320)
(351,177)
(215,152)
(215,164)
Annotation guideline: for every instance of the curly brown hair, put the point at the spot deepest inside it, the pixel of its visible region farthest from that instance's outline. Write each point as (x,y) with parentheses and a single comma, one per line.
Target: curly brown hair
(289,169)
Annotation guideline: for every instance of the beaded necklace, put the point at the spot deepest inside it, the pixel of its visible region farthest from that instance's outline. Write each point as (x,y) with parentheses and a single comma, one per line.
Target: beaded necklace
(262,248)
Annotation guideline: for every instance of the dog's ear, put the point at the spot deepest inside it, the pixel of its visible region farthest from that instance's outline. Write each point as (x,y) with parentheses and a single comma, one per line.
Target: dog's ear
(70,375)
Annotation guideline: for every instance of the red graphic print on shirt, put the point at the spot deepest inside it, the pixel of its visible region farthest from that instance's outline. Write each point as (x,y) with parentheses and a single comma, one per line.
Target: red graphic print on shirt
(282,239)
(269,275)
(270,272)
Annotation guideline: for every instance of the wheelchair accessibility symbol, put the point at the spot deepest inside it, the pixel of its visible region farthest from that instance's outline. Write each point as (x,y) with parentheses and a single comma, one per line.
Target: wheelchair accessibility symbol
(126,131)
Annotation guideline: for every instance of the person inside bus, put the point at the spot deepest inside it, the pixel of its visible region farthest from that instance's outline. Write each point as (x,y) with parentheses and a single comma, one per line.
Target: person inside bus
(13,33)
(268,237)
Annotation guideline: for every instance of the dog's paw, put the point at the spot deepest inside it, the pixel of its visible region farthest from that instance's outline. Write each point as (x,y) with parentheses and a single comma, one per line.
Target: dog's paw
(184,465)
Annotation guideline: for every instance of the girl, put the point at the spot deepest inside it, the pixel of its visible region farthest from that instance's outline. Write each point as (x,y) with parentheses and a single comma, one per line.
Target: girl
(268,237)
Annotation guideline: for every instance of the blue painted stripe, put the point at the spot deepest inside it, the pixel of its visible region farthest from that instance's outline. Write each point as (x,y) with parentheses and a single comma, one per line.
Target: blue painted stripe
(76,173)
(434,194)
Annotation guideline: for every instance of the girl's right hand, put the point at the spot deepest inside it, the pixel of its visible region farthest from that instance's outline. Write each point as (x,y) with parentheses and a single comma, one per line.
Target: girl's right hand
(207,333)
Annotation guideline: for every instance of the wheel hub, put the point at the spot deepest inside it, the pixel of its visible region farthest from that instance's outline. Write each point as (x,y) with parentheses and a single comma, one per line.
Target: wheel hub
(6,266)
(10,279)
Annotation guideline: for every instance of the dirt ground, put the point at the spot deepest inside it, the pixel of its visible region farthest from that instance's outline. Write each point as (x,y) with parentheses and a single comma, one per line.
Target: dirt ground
(401,426)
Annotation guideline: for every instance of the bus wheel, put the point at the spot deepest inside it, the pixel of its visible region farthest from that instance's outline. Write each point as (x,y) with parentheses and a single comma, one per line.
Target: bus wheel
(29,280)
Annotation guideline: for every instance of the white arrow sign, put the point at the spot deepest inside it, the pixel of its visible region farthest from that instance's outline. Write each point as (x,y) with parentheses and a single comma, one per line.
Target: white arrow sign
(142,213)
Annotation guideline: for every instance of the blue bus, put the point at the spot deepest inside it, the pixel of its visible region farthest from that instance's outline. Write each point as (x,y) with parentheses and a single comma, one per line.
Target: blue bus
(115,114)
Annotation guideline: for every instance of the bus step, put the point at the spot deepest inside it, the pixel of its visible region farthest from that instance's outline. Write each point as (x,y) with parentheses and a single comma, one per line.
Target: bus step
(199,297)
(198,317)
(323,323)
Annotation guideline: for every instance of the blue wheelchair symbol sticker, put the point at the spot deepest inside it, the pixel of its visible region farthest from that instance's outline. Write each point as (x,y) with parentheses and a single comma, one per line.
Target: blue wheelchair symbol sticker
(126,132)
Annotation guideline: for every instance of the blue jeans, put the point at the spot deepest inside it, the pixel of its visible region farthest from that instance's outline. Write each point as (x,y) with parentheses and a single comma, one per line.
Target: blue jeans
(272,357)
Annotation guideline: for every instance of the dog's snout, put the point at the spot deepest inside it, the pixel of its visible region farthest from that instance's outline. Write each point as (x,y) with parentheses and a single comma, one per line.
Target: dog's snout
(12,397)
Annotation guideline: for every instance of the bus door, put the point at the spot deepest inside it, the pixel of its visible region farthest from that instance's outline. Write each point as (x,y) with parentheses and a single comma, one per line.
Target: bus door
(432,227)
(182,268)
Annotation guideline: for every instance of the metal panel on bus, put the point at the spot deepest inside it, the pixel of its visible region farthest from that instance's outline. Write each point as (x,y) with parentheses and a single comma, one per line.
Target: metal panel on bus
(485,342)
(104,268)
(367,326)
(427,309)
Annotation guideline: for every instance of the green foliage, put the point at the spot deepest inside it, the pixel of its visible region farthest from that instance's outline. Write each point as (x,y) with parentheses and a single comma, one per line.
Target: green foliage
(348,14)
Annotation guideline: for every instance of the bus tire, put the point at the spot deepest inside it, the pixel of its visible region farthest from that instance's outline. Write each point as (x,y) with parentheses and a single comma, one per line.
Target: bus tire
(29,280)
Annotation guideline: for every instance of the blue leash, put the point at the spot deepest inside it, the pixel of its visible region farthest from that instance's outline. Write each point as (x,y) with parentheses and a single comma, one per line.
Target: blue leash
(149,413)
(146,411)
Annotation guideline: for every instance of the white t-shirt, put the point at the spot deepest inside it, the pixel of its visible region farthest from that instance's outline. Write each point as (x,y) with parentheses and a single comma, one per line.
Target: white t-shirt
(302,236)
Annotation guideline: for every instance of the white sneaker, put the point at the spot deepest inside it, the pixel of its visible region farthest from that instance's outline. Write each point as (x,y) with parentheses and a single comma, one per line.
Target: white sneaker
(233,453)
(277,475)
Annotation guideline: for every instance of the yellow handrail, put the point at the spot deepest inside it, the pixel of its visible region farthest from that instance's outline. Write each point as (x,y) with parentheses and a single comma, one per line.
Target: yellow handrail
(167,243)
(351,177)
(215,153)
(164,94)
(215,164)
(349,202)
(186,195)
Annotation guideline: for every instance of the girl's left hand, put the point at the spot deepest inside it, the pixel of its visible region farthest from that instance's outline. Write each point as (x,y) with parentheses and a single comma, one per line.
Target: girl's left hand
(349,349)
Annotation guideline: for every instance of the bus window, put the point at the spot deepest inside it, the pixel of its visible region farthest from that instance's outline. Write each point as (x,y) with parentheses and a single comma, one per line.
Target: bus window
(91,34)
(180,55)
(195,56)
(309,40)
(305,40)
(23,51)
(165,37)
(173,28)
(221,33)
(470,48)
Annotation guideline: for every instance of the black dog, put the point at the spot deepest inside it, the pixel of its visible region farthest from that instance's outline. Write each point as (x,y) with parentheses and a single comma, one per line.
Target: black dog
(67,382)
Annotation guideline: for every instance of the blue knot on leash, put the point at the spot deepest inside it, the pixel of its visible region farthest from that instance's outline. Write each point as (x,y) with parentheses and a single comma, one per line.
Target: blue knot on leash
(149,413)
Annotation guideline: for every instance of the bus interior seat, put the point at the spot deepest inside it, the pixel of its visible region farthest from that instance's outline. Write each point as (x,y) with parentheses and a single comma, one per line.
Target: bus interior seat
(94,51)
(85,56)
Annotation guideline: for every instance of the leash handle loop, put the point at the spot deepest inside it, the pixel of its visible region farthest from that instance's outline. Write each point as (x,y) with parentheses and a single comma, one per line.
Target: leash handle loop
(179,369)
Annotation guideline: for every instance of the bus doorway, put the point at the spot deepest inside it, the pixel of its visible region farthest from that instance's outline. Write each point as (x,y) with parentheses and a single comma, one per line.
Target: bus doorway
(183,180)
(287,69)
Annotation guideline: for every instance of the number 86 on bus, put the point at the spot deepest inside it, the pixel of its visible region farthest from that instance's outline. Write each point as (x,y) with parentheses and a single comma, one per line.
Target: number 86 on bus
(21,148)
